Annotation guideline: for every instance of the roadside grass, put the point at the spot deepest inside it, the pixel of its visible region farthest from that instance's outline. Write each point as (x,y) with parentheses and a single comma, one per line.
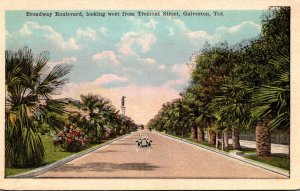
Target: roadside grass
(52,153)
(277,159)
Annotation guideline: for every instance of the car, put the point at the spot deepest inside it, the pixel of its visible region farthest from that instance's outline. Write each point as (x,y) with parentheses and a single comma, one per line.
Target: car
(143,142)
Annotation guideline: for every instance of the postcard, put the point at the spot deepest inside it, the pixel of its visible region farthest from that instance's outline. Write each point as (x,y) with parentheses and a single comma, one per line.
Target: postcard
(149,95)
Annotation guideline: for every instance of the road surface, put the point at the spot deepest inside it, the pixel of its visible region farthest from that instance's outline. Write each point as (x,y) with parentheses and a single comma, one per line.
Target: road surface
(167,158)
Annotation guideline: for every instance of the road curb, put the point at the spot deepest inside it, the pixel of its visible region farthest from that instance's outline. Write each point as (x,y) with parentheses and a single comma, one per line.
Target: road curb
(240,158)
(43,169)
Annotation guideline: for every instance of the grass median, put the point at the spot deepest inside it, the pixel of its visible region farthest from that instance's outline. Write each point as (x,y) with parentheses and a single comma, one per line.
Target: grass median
(52,154)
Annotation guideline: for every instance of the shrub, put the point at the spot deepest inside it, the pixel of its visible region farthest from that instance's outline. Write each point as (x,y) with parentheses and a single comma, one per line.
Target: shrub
(70,139)
(44,128)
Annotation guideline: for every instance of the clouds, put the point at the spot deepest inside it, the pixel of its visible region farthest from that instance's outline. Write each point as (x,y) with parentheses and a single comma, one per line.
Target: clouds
(32,29)
(7,34)
(90,33)
(238,32)
(67,60)
(133,42)
(103,30)
(29,26)
(200,35)
(54,37)
(139,57)
(246,25)
(75,89)
(161,67)
(106,57)
(183,77)
(171,31)
(151,24)
(107,79)
(139,24)
(180,70)
(150,61)
(234,33)
(178,27)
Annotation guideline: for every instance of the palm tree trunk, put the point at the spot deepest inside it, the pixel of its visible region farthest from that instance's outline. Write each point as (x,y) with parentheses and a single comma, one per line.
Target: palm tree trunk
(193,132)
(225,138)
(263,139)
(212,137)
(236,139)
(217,137)
(200,134)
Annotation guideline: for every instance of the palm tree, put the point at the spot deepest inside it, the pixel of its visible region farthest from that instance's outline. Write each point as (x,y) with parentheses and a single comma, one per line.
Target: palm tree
(211,68)
(110,114)
(233,108)
(95,106)
(30,84)
(166,118)
(103,118)
(272,109)
(191,105)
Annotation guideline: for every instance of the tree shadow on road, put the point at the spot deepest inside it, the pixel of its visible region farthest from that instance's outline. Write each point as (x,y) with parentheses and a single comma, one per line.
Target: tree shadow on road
(106,151)
(123,143)
(129,138)
(107,167)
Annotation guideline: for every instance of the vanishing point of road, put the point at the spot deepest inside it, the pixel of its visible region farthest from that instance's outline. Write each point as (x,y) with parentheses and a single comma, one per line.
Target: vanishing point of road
(167,158)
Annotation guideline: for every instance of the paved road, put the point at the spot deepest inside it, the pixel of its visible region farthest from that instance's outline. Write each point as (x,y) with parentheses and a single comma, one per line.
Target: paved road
(167,158)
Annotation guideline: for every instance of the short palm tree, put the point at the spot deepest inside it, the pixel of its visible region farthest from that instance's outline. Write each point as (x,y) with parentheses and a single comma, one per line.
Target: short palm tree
(233,108)
(95,106)
(192,107)
(30,85)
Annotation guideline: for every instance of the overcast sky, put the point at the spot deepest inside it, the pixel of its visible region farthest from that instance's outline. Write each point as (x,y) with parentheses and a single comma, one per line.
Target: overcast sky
(142,58)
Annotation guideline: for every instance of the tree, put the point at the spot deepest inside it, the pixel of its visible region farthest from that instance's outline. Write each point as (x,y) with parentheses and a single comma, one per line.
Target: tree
(95,106)
(272,109)
(30,83)
(239,88)
(233,108)
(103,119)
(272,95)
(192,107)
(212,68)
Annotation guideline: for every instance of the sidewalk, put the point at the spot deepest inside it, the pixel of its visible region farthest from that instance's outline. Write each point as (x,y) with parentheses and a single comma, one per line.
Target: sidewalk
(275,148)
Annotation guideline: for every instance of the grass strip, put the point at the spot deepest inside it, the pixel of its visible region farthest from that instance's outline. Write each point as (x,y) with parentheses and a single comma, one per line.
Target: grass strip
(52,154)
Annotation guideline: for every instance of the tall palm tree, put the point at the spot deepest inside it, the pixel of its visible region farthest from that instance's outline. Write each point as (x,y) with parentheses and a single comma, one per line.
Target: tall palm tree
(30,84)
(272,101)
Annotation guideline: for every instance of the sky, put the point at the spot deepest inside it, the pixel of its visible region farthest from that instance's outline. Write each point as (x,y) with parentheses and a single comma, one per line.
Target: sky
(141,57)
